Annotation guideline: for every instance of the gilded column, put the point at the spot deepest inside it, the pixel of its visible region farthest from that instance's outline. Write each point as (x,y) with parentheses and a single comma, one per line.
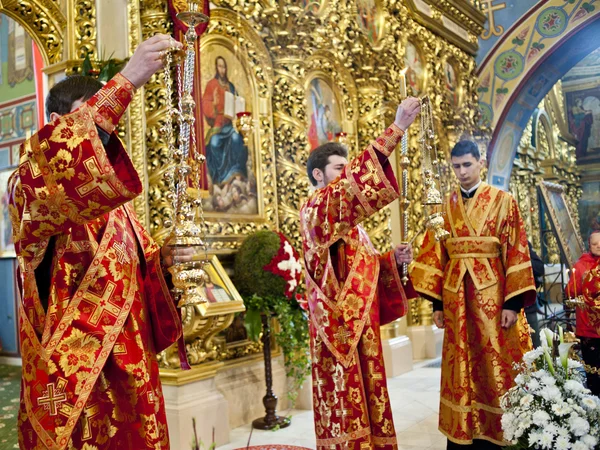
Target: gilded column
(372,122)
(291,144)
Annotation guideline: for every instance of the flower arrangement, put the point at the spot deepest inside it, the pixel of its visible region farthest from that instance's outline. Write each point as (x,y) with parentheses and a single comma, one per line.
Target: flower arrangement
(267,275)
(549,408)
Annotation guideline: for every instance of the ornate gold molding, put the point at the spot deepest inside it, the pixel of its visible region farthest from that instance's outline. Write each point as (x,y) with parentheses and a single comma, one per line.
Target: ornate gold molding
(81,29)
(136,116)
(44,21)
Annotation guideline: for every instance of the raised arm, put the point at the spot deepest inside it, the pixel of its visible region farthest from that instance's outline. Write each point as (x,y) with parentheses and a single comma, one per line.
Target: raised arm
(366,185)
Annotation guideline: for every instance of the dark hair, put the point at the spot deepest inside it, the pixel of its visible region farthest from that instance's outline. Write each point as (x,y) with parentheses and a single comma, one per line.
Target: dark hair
(466,147)
(63,94)
(319,158)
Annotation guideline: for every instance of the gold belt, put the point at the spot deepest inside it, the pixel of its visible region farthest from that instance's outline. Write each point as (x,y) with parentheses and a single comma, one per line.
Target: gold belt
(473,247)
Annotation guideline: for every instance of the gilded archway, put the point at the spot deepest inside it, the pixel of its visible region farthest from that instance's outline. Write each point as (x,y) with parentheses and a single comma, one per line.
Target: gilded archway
(522,68)
(44,21)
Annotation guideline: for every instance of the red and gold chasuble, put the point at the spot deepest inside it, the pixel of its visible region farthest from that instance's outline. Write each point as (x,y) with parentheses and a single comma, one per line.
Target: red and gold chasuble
(587,317)
(483,264)
(351,290)
(90,375)
(591,296)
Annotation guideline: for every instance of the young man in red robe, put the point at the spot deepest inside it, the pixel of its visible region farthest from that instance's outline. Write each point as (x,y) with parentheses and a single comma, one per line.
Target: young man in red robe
(352,289)
(92,285)
(479,280)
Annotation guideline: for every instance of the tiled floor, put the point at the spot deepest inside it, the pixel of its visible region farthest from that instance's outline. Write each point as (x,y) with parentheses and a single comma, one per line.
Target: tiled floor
(414,397)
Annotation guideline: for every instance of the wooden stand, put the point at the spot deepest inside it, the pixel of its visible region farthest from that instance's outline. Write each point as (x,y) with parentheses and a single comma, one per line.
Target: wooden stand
(271,420)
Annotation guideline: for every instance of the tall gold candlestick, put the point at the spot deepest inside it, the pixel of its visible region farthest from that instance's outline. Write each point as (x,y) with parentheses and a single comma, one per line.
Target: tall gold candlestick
(404,202)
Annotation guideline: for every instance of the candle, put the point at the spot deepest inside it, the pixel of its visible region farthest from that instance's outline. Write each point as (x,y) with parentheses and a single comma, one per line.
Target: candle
(574,283)
(403,84)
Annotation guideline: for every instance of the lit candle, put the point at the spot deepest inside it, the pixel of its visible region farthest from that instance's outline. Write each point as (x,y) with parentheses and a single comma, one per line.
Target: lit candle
(574,284)
(403,84)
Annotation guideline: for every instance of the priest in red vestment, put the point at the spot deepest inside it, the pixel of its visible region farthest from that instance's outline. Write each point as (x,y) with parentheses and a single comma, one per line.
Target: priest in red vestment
(352,289)
(91,278)
(588,316)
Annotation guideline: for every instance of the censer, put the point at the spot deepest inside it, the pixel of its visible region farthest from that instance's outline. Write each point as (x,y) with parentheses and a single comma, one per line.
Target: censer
(188,278)
(430,165)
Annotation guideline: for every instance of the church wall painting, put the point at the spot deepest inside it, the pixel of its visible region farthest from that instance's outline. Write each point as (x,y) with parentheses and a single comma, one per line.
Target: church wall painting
(415,69)
(452,89)
(231,164)
(324,111)
(583,112)
(370,20)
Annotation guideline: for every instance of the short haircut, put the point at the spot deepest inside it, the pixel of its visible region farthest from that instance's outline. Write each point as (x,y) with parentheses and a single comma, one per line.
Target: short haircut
(63,94)
(465,147)
(319,158)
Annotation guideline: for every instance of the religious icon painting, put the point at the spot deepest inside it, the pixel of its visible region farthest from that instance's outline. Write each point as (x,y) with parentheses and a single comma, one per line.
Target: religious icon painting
(324,112)
(452,84)
(231,164)
(415,69)
(370,20)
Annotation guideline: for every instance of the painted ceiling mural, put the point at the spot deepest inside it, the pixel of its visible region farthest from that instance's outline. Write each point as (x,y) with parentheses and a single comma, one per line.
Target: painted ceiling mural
(500,17)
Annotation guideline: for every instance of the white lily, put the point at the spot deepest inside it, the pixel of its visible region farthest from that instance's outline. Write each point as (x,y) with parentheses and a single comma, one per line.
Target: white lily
(561,335)
(546,338)
(563,353)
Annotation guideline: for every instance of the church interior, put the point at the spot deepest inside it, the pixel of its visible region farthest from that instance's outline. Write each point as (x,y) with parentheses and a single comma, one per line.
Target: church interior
(521,78)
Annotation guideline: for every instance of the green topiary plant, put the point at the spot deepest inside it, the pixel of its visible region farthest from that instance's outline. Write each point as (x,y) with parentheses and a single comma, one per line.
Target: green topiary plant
(267,275)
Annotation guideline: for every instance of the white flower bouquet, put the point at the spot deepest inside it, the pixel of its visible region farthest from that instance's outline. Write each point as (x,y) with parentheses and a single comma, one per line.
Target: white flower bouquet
(549,408)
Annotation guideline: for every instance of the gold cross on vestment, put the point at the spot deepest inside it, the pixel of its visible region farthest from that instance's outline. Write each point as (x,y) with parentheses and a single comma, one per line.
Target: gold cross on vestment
(342,412)
(372,173)
(95,181)
(121,251)
(102,303)
(373,376)
(342,334)
(51,400)
(320,382)
(108,97)
(88,413)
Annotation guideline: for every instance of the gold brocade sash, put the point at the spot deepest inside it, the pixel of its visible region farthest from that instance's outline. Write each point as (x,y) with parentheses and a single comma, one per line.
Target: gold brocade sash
(471,254)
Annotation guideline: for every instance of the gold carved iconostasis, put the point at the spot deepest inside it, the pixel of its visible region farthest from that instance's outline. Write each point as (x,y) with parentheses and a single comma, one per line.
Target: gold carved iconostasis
(306,71)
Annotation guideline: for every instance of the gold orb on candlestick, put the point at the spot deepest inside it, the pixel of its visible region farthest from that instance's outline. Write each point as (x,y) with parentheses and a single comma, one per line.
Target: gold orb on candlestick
(244,125)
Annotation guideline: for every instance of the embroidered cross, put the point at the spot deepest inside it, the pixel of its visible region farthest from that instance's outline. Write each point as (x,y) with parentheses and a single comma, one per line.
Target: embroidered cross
(51,400)
(342,334)
(102,303)
(372,173)
(121,251)
(86,416)
(342,412)
(375,376)
(95,181)
(320,382)
(107,98)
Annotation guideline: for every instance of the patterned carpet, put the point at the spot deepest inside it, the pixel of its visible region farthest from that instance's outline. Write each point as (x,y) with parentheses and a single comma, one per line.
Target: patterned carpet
(10,383)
